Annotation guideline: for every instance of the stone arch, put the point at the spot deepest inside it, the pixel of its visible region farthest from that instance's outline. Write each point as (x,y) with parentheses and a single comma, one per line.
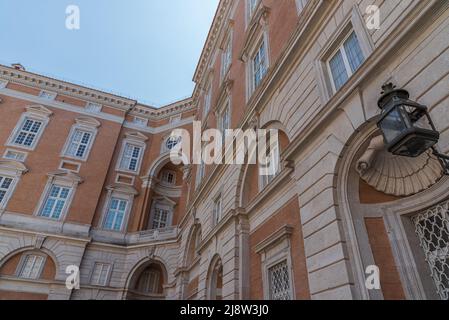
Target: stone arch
(10,263)
(132,282)
(393,214)
(193,239)
(214,279)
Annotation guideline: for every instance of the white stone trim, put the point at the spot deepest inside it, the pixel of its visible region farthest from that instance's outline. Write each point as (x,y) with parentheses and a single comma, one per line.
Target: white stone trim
(135,139)
(354,22)
(89,125)
(8,150)
(37,113)
(274,250)
(13,170)
(64,179)
(121,192)
(59,105)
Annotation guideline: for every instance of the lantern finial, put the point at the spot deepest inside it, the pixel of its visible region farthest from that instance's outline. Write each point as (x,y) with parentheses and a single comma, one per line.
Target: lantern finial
(387,88)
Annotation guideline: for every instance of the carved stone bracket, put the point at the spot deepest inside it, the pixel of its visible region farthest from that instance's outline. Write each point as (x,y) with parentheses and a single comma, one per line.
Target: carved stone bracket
(397,175)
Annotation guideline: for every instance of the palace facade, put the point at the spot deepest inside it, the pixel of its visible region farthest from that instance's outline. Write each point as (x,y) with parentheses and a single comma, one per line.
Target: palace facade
(86,178)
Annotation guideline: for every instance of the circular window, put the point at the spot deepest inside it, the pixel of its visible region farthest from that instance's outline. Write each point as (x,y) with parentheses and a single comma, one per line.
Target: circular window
(172,142)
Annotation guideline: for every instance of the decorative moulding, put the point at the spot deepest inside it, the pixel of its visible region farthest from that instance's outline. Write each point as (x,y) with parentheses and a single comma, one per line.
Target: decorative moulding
(396,175)
(120,188)
(67,176)
(39,110)
(136,136)
(279,235)
(88,121)
(255,28)
(10,165)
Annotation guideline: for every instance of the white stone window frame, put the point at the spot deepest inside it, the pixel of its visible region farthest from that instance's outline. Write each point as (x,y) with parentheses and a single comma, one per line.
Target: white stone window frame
(166,204)
(266,180)
(77,164)
(250,12)
(13,170)
(36,113)
(47,95)
(201,171)
(207,99)
(217,215)
(23,260)
(226,53)
(176,119)
(126,193)
(132,178)
(134,139)
(224,106)
(86,125)
(3,84)
(93,107)
(64,179)
(140,122)
(110,267)
(9,150)
(354,22)
(263,37)
(274,250)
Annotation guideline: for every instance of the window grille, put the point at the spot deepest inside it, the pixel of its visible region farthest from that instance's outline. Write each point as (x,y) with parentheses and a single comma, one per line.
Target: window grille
(279,279)
(432,228)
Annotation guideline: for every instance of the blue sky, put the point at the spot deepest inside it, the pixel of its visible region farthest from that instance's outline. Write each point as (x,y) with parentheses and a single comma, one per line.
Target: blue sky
(143,49)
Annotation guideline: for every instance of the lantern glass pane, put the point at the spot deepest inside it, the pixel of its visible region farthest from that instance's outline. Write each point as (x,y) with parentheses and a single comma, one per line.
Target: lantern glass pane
(393,125)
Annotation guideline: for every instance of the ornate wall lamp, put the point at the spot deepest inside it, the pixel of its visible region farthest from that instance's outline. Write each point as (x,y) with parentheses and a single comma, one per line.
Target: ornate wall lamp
(407,127)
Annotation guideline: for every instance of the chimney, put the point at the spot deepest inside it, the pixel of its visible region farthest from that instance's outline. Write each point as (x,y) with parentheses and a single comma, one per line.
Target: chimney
(18,66)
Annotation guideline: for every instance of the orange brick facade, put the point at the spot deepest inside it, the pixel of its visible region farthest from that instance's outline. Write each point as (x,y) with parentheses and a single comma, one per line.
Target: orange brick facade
(136,226)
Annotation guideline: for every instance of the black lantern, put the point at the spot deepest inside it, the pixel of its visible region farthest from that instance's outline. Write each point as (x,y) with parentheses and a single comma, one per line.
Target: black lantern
(407,127)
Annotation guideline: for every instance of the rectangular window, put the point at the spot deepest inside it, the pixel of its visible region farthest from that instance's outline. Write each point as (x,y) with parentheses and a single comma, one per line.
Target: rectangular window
(217,210)
(160,218)
(226,57)
(259,64)
(15,155)
(100,274)
(116,214)
(141,122)
(79,143)
(149,282)
(176,119)
(207,100)
(31,267)
(169,177)
(55,202)
(5,187)
(279,281)
(131,157)
(345,62)
(225,122)
(93,107)
(28,132)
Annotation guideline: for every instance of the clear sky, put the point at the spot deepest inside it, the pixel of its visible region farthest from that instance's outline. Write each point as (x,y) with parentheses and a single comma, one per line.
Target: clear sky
(143,49)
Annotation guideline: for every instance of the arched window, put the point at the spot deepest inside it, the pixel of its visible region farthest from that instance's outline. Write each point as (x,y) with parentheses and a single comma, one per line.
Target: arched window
(216,279)
(150,281)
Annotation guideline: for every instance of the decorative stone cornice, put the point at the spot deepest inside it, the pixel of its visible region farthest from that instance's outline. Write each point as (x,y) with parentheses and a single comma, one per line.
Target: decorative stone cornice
(61,87)
(153,113)
(255,27)
(212,38)
(282,233)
